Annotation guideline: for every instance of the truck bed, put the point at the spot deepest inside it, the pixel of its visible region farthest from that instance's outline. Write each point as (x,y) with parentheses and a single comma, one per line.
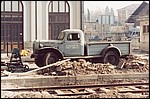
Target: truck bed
(95,48)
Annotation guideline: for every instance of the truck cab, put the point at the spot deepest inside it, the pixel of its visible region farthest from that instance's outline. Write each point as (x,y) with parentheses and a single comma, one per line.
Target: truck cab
(69,43)
(72,43)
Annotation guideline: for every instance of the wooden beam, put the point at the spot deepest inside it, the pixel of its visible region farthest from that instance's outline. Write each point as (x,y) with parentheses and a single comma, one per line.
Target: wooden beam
(47,66)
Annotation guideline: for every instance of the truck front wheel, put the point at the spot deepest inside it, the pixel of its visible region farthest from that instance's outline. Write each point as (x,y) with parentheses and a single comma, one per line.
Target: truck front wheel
(111,57)
(50,58)
(39,61)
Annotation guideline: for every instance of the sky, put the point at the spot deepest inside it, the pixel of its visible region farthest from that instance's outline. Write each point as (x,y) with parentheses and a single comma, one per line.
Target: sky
(95,5)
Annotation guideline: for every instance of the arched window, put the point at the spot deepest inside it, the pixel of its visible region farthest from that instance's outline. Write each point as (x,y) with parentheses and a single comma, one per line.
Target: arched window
(59,17)
(11,25)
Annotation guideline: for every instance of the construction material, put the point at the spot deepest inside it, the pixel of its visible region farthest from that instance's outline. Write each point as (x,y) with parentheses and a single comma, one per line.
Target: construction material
(36,80)
(44,67)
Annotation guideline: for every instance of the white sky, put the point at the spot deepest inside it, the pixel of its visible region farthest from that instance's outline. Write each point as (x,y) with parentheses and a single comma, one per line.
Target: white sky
(95,5)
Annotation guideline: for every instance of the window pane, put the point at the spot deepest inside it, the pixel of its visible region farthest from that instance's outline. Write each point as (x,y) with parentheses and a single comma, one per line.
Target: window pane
(14,5)
(7,5)
(55,6)
(144,29)
(61,6)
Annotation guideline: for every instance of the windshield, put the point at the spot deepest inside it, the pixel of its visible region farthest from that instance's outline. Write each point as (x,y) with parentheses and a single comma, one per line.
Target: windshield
(61,36)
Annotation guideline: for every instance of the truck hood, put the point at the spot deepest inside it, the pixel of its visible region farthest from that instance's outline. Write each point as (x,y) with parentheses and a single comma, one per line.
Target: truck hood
(47,43)
(50,43)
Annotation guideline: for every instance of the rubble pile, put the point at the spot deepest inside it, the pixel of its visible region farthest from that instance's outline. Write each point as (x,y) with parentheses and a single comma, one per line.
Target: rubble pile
(137,63)
(83,67)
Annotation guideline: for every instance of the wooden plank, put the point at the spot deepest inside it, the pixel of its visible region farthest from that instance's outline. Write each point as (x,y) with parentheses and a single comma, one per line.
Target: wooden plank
(144,86)
(59,92)
(133,87)
(57,63)
(105,90)
(124,89)
(71,94)
(90,90)
(75,90)
(133,91)
(46,94)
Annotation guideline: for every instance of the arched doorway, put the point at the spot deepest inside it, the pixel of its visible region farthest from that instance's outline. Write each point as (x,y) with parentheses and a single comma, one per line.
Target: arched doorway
(59,18)
(11,25)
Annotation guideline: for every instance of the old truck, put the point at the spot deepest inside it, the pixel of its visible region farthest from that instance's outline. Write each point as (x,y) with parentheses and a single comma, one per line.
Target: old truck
(71,44)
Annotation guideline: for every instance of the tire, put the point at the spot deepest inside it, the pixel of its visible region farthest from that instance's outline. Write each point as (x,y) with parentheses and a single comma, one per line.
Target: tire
(50,58)
(39,61)
(11,69)
(25,68)
(111,57)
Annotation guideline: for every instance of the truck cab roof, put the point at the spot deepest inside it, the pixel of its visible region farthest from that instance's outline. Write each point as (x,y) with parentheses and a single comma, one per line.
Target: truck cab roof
(73,30)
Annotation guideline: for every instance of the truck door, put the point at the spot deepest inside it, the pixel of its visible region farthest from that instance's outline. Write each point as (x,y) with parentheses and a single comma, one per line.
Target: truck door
(72,45)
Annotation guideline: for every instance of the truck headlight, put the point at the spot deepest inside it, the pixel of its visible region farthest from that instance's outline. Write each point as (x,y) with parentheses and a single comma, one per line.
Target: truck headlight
(41,45)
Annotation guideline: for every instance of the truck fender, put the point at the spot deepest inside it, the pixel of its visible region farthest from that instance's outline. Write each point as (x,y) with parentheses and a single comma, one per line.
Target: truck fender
(50,49)
(110,48)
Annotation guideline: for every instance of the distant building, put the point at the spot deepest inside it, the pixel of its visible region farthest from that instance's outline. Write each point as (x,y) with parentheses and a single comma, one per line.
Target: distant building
(142,10)
(101,26)
(144,33)
(91,29)
(117,33)
(107,12)
(106,19)
(88,16)
(140,17)
(124,13)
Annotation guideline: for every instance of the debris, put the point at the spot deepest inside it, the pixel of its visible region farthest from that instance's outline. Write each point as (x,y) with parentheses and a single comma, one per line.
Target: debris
(45,67)
(5,73)
(121,64)
(91,68)
(141,63)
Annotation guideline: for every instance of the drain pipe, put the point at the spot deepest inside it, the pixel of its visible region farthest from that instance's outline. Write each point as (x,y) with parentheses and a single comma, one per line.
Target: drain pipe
(35,20)
(7,49)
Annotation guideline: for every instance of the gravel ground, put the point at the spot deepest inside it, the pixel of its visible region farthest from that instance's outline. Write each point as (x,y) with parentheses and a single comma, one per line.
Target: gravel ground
(111,94)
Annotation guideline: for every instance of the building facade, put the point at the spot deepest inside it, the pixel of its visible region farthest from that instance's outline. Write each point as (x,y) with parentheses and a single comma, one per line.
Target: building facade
(144,33)
(22,22)
(142,10)
(140,17)
(124,13)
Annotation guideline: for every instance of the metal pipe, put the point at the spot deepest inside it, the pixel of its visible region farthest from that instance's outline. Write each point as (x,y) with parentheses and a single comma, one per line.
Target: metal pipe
(7,49)
(35,20)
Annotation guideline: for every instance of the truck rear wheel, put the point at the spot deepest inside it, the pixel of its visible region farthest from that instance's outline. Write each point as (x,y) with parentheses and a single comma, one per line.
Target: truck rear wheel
(111,57)
(50,58)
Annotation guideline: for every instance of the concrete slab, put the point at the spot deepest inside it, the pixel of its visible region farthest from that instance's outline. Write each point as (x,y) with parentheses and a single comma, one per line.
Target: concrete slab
(40,80)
